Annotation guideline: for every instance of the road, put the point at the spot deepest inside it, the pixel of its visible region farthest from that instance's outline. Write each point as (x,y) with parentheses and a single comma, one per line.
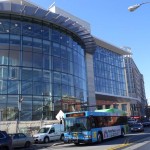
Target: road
(142,145)
(137,141)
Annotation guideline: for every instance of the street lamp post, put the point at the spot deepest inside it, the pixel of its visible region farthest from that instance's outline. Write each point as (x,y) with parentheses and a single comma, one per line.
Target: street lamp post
(19,113)
(134,7)
(1,115)
(19,107)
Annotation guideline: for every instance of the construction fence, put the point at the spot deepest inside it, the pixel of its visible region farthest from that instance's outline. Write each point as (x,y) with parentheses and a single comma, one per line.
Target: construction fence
(27,127)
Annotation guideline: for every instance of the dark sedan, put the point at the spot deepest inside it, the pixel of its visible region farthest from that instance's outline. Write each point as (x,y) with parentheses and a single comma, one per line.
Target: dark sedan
(146,123)
(5,141)
(137,127)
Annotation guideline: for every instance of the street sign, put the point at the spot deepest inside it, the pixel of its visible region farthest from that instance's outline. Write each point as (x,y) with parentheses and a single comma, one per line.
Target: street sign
(60,115)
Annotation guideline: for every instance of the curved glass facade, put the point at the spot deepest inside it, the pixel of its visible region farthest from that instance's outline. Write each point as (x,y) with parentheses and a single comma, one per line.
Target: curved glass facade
(109,72)
(40,64)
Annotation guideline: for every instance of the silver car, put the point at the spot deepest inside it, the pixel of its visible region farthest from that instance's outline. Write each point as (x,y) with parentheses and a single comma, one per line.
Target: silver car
(21,140)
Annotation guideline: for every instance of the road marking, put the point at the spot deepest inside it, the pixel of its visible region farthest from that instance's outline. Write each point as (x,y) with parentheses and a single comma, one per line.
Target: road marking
(119,146)
(139,143)
(126,143)
(135,146)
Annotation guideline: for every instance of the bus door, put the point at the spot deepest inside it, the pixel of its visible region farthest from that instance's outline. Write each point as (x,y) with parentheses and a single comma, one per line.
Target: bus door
(93,130)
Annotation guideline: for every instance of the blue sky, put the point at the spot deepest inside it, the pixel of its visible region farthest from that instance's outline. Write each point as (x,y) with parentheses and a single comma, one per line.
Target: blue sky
(111,21)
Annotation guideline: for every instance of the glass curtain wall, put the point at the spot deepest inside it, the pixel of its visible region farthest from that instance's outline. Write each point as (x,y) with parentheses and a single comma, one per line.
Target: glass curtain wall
(109,72)
(41,67)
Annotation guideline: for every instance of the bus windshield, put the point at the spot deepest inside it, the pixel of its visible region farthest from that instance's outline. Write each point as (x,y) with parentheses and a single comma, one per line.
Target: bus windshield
(77,124)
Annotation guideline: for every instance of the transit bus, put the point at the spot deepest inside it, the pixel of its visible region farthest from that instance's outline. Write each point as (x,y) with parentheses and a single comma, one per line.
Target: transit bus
(94,126)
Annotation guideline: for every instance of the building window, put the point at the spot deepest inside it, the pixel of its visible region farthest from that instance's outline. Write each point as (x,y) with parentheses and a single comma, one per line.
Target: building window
(65,106)
(99,107)
(116,106)
(107,106)
(124,107)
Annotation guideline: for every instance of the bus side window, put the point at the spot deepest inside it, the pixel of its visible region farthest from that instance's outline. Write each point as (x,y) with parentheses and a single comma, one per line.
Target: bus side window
(100,121)
(110,121)
(105,121)
(88,124)
(114,120)
(92,122)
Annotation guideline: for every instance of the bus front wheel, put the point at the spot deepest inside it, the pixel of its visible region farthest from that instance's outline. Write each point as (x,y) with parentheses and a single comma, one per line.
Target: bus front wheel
(99,138)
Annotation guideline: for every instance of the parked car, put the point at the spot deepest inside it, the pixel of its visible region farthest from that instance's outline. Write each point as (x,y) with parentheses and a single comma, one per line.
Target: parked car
(21,140)
(5,141)
(137,127)
(146,123)
(49,133)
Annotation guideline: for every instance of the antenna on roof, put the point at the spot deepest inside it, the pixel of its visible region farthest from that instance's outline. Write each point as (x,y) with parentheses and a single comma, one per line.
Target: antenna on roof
(52,5)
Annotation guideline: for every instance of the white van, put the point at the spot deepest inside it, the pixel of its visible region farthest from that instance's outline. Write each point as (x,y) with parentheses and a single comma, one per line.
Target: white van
(49,133)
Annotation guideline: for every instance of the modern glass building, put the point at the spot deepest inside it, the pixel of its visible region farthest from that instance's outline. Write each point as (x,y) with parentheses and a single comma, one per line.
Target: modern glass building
(42,61)
(49,61)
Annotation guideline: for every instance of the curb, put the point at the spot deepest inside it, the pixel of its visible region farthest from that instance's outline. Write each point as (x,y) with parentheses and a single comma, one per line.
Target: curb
(56,144)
